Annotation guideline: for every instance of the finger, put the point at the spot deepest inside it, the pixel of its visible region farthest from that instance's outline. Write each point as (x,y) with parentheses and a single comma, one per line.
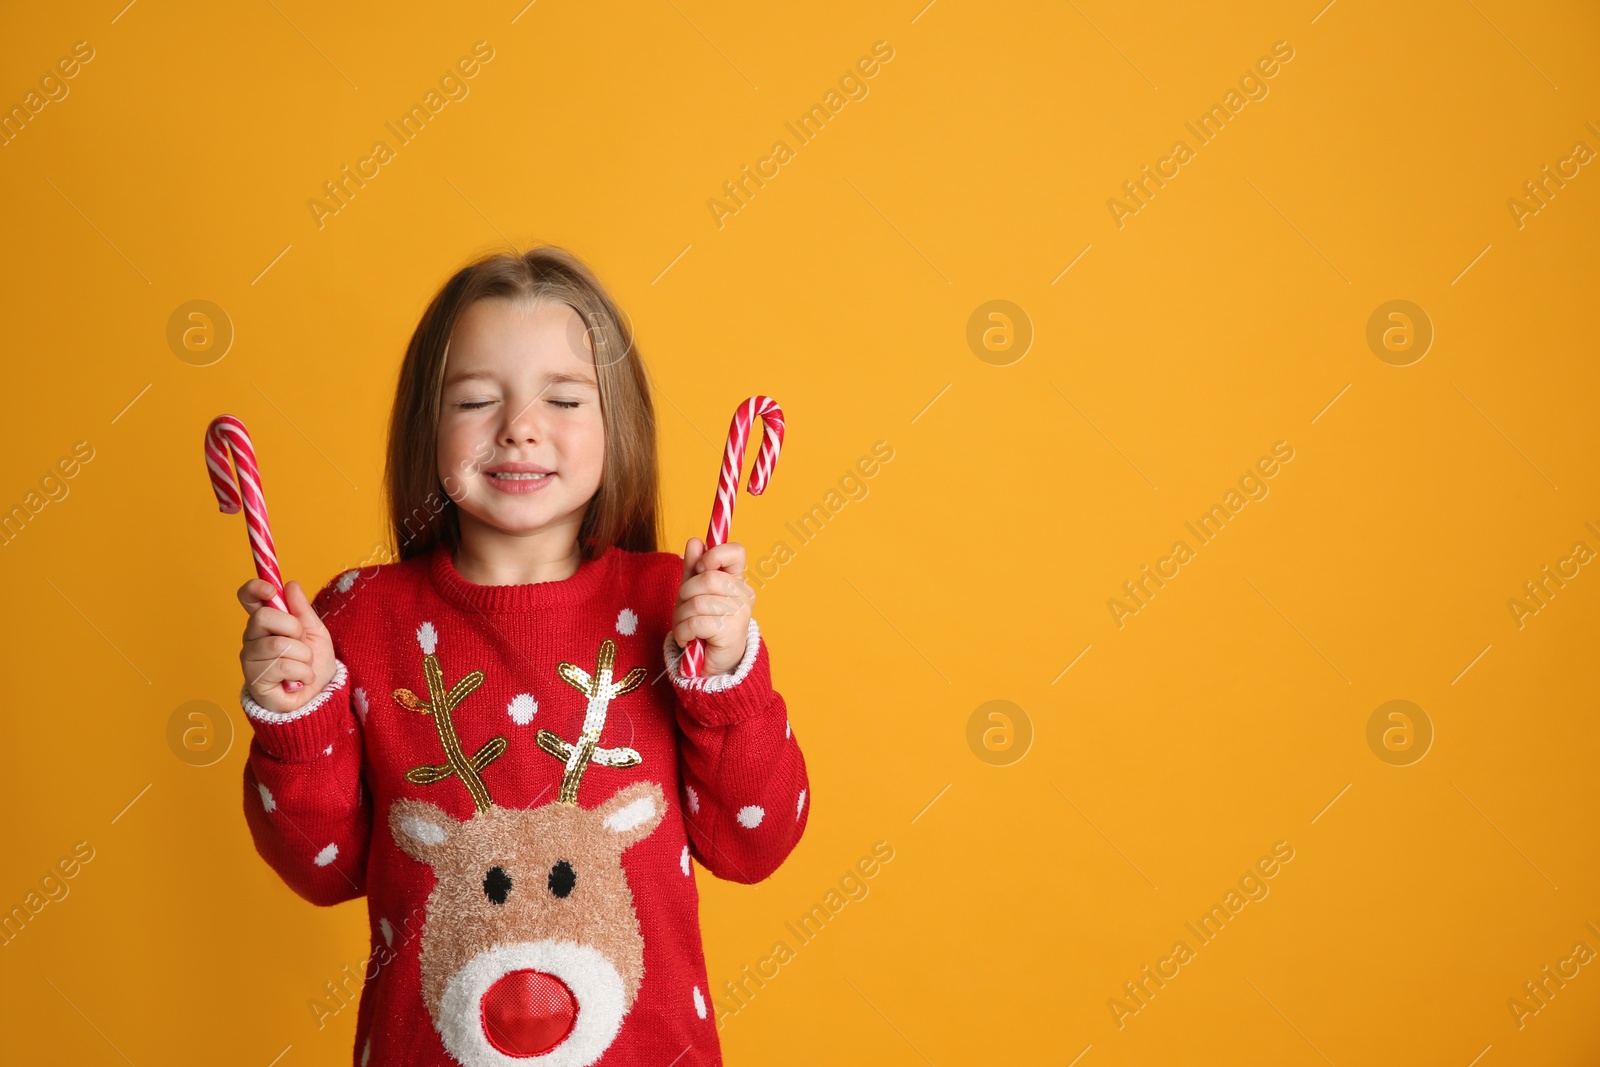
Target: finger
(706,627)
(268,621)
(254,593)
(728,557)
(706,604)
(265,649)
(265,677)
(717,583)
(295,597)
(691,555)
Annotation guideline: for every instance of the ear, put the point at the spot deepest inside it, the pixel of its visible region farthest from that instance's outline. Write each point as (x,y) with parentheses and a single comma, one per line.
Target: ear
(420,828)
(633,813)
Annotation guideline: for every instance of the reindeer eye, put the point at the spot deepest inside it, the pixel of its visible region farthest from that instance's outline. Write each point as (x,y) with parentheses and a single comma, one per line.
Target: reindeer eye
(562,878)
(497,885)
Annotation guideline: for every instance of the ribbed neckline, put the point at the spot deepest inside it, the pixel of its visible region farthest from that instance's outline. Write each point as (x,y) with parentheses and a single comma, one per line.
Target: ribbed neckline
(530,596)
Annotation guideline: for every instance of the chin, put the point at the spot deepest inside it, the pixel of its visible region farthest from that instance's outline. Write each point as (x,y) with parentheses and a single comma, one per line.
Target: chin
(519,517)
(519,522)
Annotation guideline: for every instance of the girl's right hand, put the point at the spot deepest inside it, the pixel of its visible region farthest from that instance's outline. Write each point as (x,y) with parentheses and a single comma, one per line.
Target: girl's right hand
(280,646)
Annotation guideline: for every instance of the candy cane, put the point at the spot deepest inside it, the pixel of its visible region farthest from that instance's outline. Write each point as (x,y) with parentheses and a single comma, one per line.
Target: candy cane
(227,434)
(771,414)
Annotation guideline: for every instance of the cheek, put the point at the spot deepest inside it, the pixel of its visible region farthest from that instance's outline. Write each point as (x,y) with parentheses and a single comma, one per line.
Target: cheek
(583,443)
(457,445)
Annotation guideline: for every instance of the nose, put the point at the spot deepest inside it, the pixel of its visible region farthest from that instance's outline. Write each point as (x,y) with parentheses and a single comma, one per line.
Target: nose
(522,425)
(528,1012)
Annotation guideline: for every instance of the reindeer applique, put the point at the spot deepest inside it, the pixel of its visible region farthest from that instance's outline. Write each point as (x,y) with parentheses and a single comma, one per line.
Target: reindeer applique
(600,690)
(531,946)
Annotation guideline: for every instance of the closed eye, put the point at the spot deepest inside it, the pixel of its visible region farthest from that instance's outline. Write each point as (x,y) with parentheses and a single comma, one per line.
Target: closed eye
(566,403)
(474,405)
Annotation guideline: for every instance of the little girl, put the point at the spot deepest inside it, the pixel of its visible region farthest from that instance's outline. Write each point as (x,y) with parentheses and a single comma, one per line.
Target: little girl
(493,741)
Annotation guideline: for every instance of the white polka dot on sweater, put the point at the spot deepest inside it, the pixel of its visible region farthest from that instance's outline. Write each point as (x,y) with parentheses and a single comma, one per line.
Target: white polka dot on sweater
(358,700)
(345,581)
(801,806)
(522,708)
(328,751)
(786,730)
(699,1003)
(684,860)
(266,797)
(627,622)
(387,931)
(750,816)
(694,799)
(327,855)
(427,638)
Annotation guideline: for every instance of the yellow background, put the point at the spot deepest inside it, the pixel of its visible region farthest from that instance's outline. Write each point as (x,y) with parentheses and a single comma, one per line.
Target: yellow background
(1227,315)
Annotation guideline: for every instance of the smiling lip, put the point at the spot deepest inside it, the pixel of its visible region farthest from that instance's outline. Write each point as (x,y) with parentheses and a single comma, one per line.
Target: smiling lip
(518,479)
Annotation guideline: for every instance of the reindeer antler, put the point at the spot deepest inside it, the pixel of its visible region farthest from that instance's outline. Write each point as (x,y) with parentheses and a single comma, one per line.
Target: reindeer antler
(600,690)
(441,705)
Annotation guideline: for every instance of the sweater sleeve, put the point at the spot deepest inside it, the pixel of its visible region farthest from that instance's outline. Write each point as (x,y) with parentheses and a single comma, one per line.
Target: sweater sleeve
(745,785)
(308,809)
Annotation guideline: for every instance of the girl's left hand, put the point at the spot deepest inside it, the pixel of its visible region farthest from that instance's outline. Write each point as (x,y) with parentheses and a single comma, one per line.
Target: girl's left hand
(714,604)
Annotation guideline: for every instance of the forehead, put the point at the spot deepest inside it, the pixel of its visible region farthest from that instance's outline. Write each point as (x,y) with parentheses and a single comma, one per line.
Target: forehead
(513,338)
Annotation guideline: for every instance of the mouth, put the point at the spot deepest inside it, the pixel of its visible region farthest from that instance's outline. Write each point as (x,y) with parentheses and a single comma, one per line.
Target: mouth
(518,479)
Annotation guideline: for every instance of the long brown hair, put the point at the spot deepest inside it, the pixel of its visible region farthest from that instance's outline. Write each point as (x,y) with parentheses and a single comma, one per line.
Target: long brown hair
(625,510)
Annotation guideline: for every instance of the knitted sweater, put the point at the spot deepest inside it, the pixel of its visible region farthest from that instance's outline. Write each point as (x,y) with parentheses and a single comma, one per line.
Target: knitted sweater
(517,777)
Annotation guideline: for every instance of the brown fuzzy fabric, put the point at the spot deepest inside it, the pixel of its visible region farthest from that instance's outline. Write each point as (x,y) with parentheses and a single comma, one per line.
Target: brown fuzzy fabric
(463,921)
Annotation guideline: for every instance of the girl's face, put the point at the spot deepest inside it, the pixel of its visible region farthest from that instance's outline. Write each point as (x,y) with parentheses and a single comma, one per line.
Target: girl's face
(521,438)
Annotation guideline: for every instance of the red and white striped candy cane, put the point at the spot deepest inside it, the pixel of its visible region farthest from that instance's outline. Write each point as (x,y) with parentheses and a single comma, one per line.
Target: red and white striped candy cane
(768,411)
(227,434)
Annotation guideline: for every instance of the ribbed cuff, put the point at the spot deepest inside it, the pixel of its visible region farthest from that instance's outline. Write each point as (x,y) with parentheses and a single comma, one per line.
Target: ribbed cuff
(302,734)
(724,699)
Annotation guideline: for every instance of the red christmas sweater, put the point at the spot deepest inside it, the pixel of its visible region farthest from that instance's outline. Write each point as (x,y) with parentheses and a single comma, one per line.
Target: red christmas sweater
(517,777)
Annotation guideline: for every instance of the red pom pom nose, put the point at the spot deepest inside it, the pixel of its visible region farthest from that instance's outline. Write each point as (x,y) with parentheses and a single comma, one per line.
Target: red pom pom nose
(528,1013)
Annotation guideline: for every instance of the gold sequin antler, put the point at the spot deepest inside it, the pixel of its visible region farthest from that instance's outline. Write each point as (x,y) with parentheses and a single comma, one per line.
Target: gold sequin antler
(441,705)
(600,690)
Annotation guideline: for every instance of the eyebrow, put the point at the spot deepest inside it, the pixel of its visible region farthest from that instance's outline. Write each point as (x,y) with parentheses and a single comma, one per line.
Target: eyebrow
(568,378)
(553,378)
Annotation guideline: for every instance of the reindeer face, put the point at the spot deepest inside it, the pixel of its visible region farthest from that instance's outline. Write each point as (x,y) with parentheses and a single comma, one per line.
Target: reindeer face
(531,945)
